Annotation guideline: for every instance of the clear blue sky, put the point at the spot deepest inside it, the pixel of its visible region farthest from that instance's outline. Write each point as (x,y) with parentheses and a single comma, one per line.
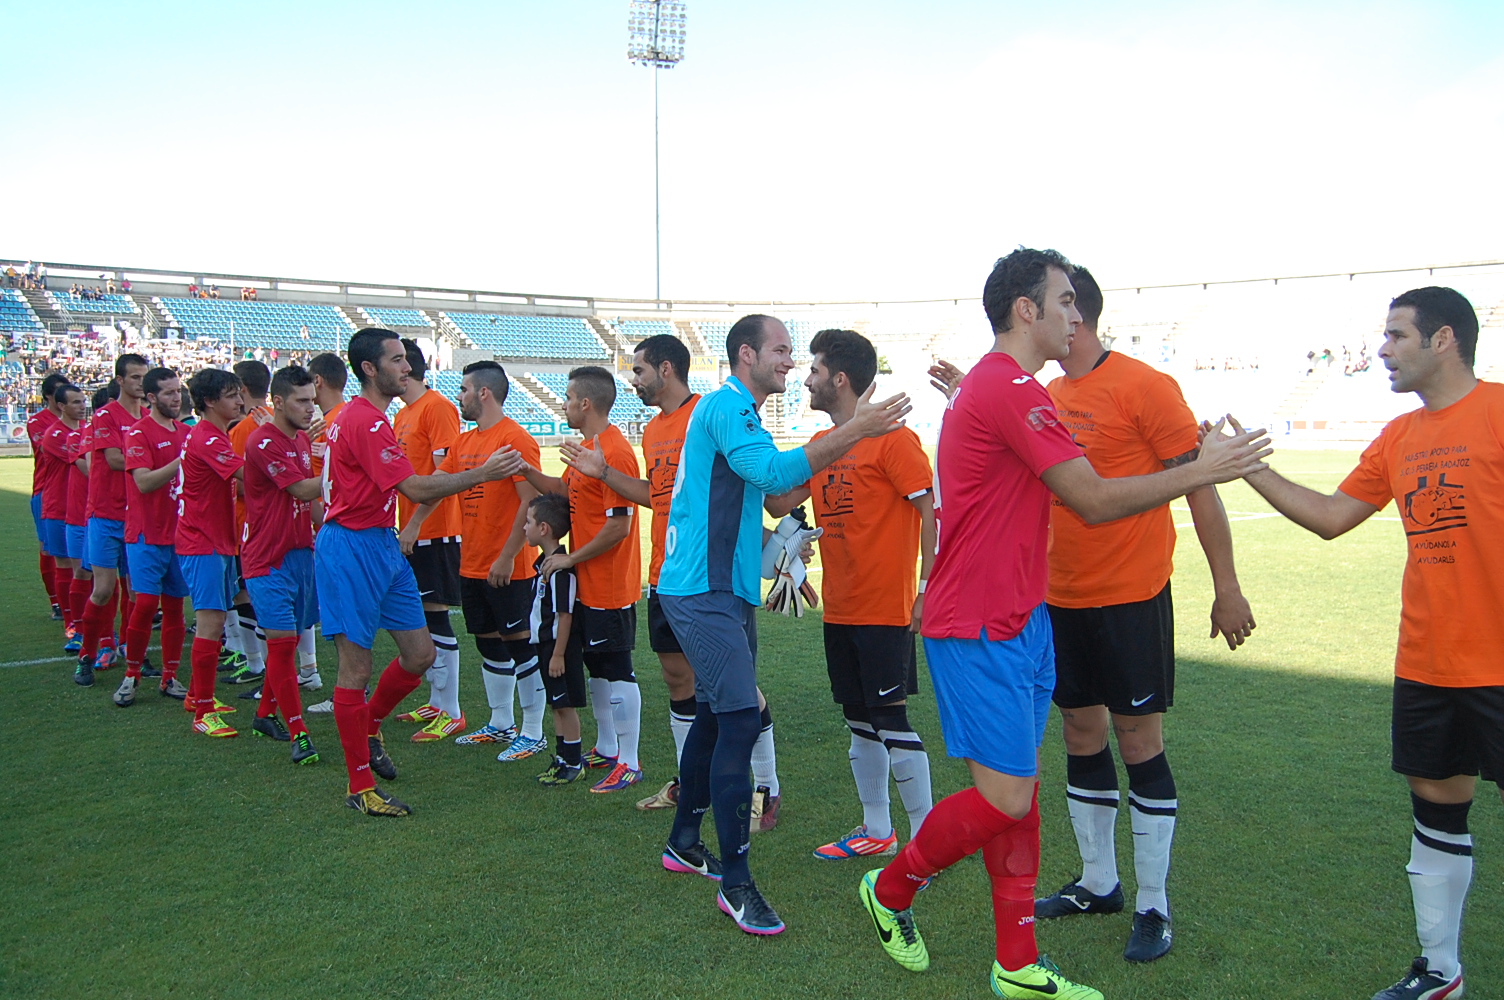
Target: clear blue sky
(811,150)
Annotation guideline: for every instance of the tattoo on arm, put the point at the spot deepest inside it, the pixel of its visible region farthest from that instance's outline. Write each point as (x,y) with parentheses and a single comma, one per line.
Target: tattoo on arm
(1185,459)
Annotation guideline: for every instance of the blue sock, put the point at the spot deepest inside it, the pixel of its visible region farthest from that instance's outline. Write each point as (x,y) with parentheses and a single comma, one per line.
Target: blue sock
(694,777)
(731,790)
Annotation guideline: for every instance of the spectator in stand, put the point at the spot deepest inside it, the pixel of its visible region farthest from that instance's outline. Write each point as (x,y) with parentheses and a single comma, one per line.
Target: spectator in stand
(42,276)
(125,286)
(193,291)
(213,291)
(109,285)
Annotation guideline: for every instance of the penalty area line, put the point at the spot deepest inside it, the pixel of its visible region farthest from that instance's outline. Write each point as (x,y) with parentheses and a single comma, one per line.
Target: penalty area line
(56,659)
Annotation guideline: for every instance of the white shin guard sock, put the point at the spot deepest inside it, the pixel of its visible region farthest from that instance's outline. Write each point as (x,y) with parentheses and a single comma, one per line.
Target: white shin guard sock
(605,721)
(500,678)
(533,699)
(869,766)
(1094,815)
(911,770)
(626,712)
(1440,874)
(308,651)
(765,762)
(444,676)
(1153,831)
(233,641)
(679,726)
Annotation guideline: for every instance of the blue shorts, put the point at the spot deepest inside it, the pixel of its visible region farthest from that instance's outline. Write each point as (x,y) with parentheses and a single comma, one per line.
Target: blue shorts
(994,697)
(364,583)
(55,537)
(155,570)
(105,544)
(77,537)
(285,599)
(212,581)
(718,632)
(36,518)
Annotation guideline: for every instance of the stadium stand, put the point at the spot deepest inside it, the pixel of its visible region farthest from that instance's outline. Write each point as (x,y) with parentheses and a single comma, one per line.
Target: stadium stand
(638,330)
(117,305)
(262,324)
(385,316)
(530,336)
(16,315)
(628,409)
(520,406)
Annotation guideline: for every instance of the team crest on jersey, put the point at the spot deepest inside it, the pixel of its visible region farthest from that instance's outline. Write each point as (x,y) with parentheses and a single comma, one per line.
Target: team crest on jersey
(275,469)
(1041,417)
(135,451)
(1434,507)
(837,494)
(391,453)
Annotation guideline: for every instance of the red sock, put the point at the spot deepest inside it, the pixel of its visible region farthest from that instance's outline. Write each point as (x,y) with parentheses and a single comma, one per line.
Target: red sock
(108,635)
(97,618)
(958,826)
(201,686)
(48,566)
(1013,864)
(138,633)
(351,717)
(395,684)
(62,584)
(78,595)
(281,686)
(125,597)
(174,631)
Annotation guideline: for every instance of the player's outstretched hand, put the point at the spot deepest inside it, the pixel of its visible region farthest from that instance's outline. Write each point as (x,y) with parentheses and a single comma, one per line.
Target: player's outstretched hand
(317,425)
(1233,618)
(1224,458)
(877,419)
(504,461)
(586,461)
(945,376)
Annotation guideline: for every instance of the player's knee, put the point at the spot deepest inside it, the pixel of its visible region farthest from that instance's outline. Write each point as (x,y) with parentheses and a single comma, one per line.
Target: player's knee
(1084,729)
(419,660)
(1140,738)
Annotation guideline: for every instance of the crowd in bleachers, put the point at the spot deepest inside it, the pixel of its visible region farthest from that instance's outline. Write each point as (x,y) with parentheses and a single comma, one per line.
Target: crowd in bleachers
(32,276)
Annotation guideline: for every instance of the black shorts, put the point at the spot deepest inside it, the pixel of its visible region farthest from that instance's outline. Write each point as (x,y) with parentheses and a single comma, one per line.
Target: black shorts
(870,664)
(567,691)
(661,636)
(607,630)
(504,610)
(1121,656)
(436,565)
(1440,732)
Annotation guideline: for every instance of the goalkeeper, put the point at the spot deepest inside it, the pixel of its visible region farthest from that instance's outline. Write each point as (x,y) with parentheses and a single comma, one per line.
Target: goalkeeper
(709,588)
(876,510)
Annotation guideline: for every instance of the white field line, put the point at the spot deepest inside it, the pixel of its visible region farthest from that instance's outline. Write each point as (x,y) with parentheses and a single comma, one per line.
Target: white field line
(56,659)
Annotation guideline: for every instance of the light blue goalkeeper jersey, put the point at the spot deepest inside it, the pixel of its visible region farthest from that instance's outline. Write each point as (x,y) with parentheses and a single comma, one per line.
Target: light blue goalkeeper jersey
(728,464)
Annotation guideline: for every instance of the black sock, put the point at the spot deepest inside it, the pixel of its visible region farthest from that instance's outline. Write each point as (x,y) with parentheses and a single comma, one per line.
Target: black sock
(731,789)
(569,752)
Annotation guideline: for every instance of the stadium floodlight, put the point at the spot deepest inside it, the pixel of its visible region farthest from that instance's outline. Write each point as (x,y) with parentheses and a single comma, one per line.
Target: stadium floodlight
(655,39)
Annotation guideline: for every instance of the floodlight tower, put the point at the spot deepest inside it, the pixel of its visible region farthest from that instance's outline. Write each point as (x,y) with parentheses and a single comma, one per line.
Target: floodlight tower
(655,39)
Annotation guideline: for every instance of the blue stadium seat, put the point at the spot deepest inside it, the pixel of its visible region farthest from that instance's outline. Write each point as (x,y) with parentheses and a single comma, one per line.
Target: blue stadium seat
(531,336)
(16,315)
(261,324)
(116,305)
(392,317)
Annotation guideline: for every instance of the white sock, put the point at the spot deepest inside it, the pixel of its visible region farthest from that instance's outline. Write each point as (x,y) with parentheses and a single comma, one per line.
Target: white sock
(1153,830)
(765,762)
(308,652)
(232,632)
(444,676)
(534,700)
(626,712)
(251,643)
(679,725)
(869,766)
(605,723)
(1094,814)
(501,679)
(1439,880)
(911,769)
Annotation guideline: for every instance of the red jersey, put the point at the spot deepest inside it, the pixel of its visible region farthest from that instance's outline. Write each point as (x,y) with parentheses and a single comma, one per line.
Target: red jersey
(151,517)
(1000,433)
(107,495)
(77,512)
(55,464)
(206,493)
(276,522)
(37,426)
(362,467)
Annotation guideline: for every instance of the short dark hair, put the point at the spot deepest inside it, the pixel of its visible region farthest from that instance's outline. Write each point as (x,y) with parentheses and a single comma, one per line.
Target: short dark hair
(492,376)
(61,392)
(749,330)
(152,383)
(596,385)
(366,346)
(1022,274)
(101,398)
(1436,307)
(415,358)
(255,376)
(664,347)
(551,509)
(289,378)
(1088,296)
(208,384)
(331,368)
(51,383)
(126,360)
(847,351)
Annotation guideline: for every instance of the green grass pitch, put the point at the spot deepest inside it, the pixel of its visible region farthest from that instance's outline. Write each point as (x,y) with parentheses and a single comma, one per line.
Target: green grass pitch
(141,861)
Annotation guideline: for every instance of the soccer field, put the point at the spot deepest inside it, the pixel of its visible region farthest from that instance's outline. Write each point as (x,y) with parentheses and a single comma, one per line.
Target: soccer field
(141,861)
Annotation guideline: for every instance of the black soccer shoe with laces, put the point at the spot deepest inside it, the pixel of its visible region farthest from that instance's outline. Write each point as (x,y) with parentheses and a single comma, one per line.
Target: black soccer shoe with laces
(381,763)
(1072,899)
(744,904)
(1420,983)
(1150,938)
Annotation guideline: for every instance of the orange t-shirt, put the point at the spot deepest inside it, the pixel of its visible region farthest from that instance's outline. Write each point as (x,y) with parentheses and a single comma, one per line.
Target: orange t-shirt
(662,440)
(870,548)
(239,435)
(612,579)
(1130,419)
(320,442)
(425,429)
(488,511)
(1444,469)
